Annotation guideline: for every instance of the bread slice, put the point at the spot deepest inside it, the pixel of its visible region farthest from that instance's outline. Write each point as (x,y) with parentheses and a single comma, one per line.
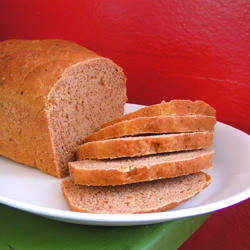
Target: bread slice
(144,145)
(174,107)
(53,93)
(138,169)
(144,197)
(155,125)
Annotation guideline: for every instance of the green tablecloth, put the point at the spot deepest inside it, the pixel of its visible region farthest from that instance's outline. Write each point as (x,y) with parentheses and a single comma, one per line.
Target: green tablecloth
(23,231)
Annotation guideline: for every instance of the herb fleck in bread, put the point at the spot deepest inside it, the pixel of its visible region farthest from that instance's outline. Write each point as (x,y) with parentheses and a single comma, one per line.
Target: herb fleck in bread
(143,145)
(174,107)
(138,169)
(53,93)
(155,125)
(144,197)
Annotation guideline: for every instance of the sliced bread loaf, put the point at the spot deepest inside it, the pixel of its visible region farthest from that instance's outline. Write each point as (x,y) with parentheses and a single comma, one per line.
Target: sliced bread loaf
(53,93)
(144,197)
(174,107)
(155,125)
(138,169)
(143,145)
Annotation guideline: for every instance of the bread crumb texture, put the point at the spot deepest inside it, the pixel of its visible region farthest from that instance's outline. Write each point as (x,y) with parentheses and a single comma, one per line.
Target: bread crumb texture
(145,197)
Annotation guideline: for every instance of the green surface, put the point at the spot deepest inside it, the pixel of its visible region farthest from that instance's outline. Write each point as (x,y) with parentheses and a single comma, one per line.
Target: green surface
(23,231)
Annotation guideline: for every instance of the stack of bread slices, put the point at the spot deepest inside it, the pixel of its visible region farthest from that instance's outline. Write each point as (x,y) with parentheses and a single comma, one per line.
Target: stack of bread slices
(146,161)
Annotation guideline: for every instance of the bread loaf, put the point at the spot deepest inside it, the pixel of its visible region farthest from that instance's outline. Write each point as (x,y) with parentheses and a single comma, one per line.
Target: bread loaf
(155,125)
(53,93)
(138,169)
(144,197)
(143,145)
(174,107)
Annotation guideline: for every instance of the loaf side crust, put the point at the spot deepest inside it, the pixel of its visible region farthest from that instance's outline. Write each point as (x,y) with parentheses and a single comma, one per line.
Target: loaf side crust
(28,71)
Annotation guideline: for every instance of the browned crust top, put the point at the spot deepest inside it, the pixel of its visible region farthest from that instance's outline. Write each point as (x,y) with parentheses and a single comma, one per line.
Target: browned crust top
(38,64)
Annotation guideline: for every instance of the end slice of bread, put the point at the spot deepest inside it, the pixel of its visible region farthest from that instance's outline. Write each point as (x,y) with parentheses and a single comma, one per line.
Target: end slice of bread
(139,169)
(155,125)
(144,197)
(174,107)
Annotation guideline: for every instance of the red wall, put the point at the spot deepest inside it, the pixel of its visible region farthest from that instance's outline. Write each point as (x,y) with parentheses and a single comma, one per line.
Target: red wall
(169,49)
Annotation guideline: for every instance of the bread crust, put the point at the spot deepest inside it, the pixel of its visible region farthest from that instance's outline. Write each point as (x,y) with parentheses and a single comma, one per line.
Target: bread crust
(138,172)
(155,196)
(155,125)
(30,59)
(143,145)
(29,72)
(174,107)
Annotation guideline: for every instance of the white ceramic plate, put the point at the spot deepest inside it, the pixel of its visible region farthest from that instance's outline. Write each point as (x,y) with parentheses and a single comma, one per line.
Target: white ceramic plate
(30,190)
